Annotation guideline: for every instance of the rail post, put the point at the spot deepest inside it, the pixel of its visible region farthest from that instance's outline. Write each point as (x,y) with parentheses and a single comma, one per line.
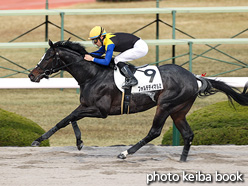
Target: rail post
(62,15)
(157,32)
(190,55)
(176,134)
(46,24)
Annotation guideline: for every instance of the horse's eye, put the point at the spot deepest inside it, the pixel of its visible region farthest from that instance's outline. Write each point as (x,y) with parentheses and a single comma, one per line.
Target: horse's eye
(48,57)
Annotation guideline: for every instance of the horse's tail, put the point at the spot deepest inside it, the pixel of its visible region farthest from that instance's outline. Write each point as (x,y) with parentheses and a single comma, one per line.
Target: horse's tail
(245,88)
(210,87)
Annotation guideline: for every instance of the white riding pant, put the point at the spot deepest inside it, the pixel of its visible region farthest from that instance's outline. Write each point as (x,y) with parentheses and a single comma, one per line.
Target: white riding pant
(140,49)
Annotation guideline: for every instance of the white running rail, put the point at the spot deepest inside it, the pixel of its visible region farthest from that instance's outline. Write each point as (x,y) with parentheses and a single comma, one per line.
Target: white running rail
(25,83)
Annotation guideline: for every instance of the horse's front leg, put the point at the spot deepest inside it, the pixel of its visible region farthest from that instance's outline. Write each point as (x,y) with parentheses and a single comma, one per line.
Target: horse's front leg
(77,132)
(48,134)
(77,114)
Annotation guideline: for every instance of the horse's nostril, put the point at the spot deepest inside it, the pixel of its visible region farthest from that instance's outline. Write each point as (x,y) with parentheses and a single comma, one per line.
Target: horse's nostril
(31,76)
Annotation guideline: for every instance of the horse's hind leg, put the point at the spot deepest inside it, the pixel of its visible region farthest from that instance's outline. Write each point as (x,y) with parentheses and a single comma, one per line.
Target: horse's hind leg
(185,130)
(155,131)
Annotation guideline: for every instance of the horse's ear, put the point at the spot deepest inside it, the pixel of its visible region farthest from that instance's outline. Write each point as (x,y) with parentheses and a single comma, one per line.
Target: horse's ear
(68,39)
(50,43)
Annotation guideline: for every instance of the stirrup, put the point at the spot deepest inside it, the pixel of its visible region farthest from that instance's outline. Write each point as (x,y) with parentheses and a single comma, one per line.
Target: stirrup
(130,83)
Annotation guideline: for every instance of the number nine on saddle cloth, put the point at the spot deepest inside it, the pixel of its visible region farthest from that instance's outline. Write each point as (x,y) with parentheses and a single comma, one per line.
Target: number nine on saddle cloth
(149,79)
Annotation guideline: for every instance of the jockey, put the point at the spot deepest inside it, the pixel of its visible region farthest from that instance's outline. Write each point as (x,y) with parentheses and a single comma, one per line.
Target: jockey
(130,47)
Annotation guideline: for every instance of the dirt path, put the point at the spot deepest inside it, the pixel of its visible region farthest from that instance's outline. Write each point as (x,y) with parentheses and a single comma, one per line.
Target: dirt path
(95,166)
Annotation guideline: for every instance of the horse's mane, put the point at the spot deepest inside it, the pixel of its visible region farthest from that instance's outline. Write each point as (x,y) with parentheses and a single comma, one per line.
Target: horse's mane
(71,45)
(77,47)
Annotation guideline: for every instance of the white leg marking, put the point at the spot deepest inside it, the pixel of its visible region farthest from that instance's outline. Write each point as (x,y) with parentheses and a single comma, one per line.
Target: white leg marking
(125,153)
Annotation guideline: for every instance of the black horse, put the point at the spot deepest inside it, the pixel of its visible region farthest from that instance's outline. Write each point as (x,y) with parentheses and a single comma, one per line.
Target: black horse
(100,97)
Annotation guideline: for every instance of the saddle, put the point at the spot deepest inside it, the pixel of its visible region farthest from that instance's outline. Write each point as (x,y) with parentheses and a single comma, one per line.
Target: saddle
(149,79)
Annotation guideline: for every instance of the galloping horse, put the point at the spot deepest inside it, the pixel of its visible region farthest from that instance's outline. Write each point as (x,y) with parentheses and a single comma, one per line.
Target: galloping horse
(100,97)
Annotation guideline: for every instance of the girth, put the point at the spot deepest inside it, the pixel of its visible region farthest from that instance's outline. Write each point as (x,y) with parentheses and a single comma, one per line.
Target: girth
(125,102)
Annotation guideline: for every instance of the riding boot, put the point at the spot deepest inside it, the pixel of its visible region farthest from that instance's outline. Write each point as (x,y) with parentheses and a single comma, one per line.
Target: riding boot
(130,79)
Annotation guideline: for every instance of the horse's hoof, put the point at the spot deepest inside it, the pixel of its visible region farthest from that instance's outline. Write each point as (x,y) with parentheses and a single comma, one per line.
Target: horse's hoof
(35,144)
(121,156)
(183,158)
(80,146)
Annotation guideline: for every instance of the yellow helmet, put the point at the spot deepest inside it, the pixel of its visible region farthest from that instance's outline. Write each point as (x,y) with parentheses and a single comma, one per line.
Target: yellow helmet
(96,32)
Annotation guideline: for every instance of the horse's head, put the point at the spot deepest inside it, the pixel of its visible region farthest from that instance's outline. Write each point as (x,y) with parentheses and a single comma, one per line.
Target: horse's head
(59,56)
(47,65)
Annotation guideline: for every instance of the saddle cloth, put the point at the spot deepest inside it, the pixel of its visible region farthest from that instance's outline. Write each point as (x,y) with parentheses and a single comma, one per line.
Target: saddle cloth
(149,79)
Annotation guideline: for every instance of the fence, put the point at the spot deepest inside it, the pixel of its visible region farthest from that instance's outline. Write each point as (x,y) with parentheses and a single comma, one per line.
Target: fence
(189,42)
(70,83)
(157,11)
(173,11)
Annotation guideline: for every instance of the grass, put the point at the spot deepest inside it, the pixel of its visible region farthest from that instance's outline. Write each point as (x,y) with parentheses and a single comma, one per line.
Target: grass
(48,106)
(17,130)
(217,124)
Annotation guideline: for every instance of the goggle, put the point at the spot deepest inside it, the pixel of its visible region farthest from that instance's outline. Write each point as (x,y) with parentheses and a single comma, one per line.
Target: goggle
(94,41)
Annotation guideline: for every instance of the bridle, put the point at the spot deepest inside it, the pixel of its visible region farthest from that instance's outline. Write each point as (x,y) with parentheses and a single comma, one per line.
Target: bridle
(47,72)
(58,62)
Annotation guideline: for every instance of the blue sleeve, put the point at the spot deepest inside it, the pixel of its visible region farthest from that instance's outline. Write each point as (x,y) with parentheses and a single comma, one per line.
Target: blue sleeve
(99,52)
(108,57)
